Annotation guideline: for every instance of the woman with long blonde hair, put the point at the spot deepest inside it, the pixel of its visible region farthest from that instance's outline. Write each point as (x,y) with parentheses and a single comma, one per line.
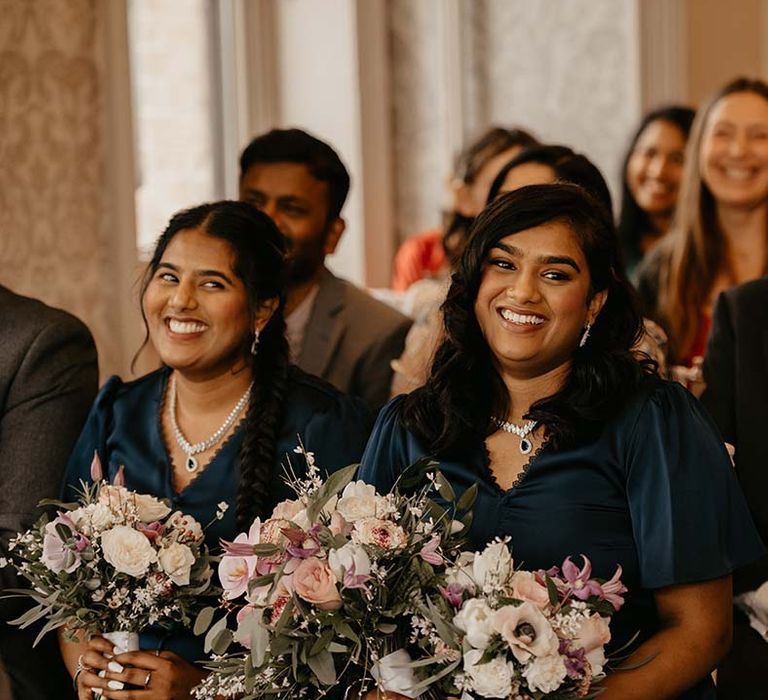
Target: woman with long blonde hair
(719,237)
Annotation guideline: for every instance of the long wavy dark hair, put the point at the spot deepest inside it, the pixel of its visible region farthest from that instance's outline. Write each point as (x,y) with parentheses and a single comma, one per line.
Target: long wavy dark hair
(454,408)
(634,221)
(259,250)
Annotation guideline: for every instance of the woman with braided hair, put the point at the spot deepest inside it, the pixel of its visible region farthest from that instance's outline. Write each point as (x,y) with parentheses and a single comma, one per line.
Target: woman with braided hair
(216,422)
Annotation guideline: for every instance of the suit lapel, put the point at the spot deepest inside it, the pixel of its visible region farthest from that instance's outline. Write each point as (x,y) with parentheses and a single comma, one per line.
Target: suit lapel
(326,326)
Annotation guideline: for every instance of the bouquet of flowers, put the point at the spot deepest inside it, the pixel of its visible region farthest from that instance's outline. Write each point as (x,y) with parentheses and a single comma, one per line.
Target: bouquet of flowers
(114,562)
(320,590)
(499,632)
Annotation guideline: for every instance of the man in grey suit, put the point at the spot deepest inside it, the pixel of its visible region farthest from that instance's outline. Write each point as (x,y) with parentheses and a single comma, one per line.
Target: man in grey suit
(335,330)
(48,379)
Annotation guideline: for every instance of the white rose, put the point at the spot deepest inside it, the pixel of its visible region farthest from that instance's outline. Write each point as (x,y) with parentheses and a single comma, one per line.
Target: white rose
(358,501)
(149,508)
(492,566)
(127,550)
(286,510)
(343,559)
(491,680)
(545,673)
(474,619)
(94,517)
(176,560)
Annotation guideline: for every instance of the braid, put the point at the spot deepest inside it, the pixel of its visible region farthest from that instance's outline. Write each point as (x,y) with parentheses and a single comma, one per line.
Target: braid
(262,422)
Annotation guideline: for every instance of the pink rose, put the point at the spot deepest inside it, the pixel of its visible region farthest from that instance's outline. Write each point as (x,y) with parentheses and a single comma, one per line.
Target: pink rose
(594,633)
(314,581)
(526,587)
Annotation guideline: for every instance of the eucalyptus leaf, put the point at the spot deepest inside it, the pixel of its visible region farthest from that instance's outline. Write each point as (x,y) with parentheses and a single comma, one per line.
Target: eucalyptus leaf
(323,668)
(444,487)
(467,499)
(552,591)
(221,641)
(259,643)
(204,620)
(433,679)
(213,632)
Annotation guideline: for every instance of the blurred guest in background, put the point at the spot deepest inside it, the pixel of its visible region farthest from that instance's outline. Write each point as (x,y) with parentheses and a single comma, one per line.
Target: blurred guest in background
(651,174)
(545,164)
(736,377)
(427,254)
(335,330)
(719,236)
(48,378)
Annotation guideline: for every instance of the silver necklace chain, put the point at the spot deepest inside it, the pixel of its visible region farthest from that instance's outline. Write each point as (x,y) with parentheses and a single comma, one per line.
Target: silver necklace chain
(522,431)
(191,449)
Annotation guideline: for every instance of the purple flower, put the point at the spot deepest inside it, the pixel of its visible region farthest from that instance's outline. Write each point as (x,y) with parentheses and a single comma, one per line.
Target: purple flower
(612,590)
(303,552)
(353,580)
(429,552)
(574,659)
(578,580)
(453,593)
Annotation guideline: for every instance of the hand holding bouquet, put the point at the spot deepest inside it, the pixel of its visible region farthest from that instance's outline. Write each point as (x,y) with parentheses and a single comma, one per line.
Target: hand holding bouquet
(115,561)
(320,590)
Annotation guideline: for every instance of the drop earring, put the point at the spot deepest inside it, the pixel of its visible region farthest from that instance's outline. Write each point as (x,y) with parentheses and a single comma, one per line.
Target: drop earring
(585,335)
(255,343)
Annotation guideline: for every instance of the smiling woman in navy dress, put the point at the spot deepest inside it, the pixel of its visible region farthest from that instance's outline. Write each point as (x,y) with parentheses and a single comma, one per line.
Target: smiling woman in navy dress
(216,422)
(575,445)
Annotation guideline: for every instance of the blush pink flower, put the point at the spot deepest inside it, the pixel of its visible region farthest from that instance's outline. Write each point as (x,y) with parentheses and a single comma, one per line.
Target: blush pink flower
(612,589)
(314,582)
(525,586)
(97,473)
(430,551)
(239,562)
(382,533)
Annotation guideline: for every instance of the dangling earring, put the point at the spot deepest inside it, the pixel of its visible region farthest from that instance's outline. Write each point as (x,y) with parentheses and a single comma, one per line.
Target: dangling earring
(255,343)
(585,335)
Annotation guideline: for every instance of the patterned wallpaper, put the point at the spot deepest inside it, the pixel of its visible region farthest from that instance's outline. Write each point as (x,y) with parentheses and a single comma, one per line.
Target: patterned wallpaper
(54,207)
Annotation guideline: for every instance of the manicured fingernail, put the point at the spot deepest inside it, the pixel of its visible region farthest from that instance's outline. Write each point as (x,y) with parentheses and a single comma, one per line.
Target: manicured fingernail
(115,685)
(115,667)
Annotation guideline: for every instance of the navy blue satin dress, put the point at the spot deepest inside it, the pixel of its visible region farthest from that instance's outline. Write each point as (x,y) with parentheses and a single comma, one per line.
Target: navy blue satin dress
(655,493)
(124,427)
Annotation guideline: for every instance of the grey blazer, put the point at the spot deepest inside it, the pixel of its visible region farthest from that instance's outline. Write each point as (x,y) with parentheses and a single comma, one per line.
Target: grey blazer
(350,340)
(48,379)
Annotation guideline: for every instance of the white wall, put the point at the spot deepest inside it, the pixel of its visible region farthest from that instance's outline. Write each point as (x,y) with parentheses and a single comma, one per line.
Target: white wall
(319,92)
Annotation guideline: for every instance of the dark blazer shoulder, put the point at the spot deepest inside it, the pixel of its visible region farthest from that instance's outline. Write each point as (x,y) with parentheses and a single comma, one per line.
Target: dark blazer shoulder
(752,296)
(28,316)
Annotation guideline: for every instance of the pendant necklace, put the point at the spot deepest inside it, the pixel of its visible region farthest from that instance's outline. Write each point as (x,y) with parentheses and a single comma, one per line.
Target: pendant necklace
(190,449)
(521,431)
